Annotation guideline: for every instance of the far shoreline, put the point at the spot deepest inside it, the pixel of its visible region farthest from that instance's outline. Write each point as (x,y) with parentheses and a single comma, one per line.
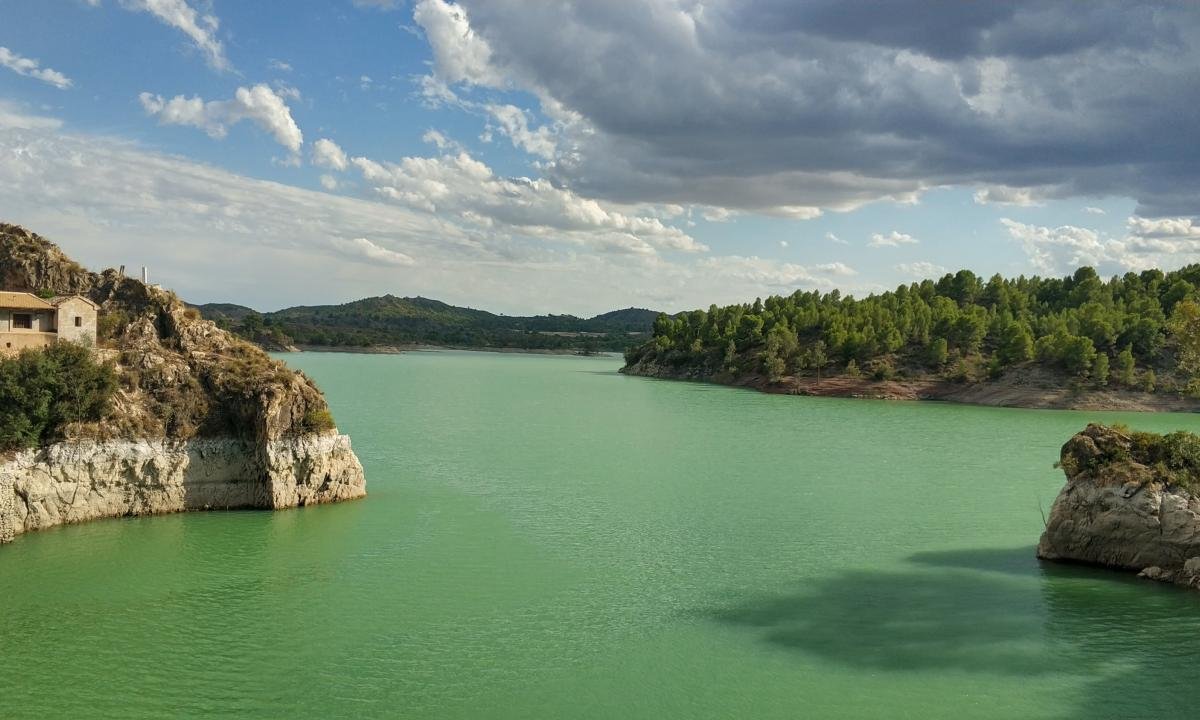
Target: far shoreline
(401,349)
(1005,392)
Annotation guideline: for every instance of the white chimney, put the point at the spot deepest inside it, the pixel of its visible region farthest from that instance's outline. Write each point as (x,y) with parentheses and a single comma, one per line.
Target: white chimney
(145,275)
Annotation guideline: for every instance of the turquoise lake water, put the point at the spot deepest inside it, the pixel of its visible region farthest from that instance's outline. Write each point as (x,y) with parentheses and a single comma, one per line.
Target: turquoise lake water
(545,538)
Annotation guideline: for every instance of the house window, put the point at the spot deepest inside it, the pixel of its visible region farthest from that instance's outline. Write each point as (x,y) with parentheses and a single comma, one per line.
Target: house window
(78,321)
(22,321)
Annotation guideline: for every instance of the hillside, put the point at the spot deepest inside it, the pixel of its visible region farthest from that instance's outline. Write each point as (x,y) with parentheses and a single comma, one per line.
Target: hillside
(1080,341)
(397,322)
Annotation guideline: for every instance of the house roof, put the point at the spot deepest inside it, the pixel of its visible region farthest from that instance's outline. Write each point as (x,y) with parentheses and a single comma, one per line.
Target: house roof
(23,301)
(62,298)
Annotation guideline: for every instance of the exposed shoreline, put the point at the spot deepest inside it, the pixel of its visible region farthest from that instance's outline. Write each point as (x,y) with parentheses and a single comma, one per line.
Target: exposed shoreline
(1008,391)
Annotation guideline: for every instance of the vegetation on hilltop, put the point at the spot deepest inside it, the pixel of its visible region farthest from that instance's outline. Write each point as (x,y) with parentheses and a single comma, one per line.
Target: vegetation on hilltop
(395,321)
(1139,330)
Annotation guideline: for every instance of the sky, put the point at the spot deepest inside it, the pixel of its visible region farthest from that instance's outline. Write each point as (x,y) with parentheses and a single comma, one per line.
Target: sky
(578,157)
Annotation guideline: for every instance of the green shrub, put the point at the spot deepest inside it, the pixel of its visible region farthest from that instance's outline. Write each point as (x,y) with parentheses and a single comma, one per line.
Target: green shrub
(43,391)
(318,420)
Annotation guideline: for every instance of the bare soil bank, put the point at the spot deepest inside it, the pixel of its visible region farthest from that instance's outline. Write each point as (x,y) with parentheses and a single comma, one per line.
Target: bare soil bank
(1020,389)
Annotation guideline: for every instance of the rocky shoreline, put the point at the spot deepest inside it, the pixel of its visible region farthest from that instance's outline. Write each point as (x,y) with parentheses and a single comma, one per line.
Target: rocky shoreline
(72,482)
(1014,390)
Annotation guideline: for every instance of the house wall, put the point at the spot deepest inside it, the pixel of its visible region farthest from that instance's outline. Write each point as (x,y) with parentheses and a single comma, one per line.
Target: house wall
(12,343)
(73,308)
(13,340)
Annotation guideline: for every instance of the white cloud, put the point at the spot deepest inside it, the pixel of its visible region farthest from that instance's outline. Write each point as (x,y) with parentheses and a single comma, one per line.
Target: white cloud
(772,275)
(32,68)
(378,4)
(1164,228)
(326,153)
(835,239)
(363,250)
(1002,195)
(279,65)
(460,55)
(892,239)
(1092,210)
(783,243)
(717,214)
(514,123)
(202,29)
(1060,249)
(215,235)
(329,182)
(921,270)
(259,104)
(459,185)
(836,268)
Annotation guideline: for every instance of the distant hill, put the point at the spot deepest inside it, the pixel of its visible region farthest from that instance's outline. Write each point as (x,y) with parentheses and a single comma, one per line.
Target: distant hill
(401,321)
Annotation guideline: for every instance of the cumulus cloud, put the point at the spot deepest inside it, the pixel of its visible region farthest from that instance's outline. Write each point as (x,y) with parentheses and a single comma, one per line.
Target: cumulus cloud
(514,122)
(685,102)
(778,276)
(32,68)
(259,104)
(200,28)
(921,270)
(328,154)
(892,239)
(1000,195)
(216,235)
(460,185)
(364,250)
(1054,250)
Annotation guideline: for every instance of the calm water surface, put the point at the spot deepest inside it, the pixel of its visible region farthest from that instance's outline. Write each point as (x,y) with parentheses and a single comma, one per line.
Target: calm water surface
(545,538)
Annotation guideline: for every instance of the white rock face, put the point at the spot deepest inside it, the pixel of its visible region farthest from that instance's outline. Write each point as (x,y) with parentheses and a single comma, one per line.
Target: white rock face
(79,481)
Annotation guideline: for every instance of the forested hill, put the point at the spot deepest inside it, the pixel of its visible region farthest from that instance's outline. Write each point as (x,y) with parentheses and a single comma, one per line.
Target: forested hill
(396,321)
(1138,330)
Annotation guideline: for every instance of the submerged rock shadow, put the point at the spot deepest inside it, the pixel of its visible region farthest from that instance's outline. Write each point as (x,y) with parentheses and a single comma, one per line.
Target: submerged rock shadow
(1130,643)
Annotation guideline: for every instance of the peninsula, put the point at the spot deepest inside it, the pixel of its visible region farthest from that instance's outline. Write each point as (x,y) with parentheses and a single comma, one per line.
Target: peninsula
(142,407)
(1130,342)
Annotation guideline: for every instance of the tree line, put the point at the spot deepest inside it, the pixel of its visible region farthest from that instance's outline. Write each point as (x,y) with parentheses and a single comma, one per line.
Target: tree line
(1138,330)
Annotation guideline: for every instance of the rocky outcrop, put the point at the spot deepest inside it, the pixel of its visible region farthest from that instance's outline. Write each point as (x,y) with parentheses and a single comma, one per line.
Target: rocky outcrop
(200,419)
(73,482)
(1128,505)
(31,263)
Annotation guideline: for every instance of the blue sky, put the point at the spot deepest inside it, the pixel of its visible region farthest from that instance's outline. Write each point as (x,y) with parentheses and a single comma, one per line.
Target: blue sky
(582,157)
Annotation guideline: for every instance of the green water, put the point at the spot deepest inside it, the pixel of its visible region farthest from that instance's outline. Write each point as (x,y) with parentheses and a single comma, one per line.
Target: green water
(545,538)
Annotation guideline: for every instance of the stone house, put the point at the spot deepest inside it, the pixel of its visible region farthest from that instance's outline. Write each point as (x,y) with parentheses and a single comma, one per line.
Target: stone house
(28,321)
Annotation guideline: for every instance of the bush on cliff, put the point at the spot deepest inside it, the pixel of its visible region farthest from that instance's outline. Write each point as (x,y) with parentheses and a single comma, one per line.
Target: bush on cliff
(43,391)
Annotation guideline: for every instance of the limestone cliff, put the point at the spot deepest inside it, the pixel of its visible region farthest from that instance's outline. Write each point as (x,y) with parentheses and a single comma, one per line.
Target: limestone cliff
(201,419)
(1129,504)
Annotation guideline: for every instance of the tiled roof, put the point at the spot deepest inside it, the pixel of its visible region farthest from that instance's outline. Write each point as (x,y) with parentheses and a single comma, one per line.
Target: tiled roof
(60,298)
(23,301)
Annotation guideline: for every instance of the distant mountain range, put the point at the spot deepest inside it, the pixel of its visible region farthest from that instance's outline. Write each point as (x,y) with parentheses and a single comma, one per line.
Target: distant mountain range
(391,321)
